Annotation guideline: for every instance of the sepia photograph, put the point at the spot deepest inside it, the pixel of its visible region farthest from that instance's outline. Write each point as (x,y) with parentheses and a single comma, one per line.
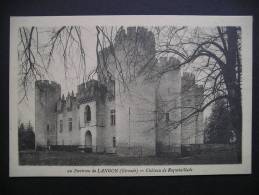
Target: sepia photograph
(130,95)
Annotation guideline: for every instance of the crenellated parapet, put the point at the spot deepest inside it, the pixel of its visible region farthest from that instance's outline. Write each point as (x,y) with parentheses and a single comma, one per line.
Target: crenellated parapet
(199,94)
(171,62)
(90,91)
(188,81)
(188,76)
(47,83)
(200,89)
(191,89)
(47,94)
(87,86)
(133,51)
(136,35)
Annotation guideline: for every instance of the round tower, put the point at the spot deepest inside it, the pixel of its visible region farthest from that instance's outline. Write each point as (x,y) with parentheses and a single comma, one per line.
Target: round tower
(168,103)
(46,96)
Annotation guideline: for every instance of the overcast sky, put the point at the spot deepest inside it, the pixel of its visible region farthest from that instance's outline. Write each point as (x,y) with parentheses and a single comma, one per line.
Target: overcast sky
(57,73)
(68,81)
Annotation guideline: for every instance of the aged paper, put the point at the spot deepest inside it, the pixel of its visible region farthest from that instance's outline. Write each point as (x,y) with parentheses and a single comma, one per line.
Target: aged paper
(130,95)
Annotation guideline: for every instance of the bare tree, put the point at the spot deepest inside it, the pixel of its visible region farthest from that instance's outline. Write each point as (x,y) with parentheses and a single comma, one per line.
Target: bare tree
(212,54)
(38,47)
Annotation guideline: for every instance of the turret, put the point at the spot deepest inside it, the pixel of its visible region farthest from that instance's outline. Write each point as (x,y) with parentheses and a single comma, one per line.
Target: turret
(90,91)
(120,36)
(140,35)
(188,81)
(131,32)
(47,95)
(171,62)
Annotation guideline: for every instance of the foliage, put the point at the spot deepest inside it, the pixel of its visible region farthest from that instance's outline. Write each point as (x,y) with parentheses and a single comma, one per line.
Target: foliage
(26,137)
(219,127)
(213,54)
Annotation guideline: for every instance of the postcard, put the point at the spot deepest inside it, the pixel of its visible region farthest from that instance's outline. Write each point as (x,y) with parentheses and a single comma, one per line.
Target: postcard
(130,95)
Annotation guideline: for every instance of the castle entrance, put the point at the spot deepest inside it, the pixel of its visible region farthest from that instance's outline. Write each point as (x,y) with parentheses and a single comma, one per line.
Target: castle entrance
(88,141)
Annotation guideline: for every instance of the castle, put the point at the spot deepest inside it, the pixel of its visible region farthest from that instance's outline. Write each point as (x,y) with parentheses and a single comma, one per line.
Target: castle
(138,104)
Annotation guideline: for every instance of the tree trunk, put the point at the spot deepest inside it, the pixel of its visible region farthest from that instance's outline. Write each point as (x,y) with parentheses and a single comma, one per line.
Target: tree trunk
(231,76)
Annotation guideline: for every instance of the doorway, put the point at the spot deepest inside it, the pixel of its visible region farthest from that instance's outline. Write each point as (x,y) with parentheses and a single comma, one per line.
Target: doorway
(88,141)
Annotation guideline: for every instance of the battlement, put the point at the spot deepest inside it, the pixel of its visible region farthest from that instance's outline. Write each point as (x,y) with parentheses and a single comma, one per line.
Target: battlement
(47,83)
(134,33)
(188,81)
(131,32)
(86,85)
(126,42)
(89,91)
(165,61)
(199,89)
(187,76)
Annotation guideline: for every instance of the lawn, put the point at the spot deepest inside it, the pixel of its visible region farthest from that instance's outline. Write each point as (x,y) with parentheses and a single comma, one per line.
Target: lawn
(80,158)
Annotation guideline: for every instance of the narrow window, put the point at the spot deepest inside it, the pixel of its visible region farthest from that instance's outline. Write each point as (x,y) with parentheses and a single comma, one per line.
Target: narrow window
(47,127)
(60,126)
(167,118)
(112,117)
(114,142)
(87,114)
(113,88)
(70,124)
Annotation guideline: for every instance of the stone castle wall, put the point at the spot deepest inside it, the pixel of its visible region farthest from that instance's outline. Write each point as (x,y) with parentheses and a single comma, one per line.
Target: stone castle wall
(169,107)
(106,128)
(192,127)
(69,111)
(46,97)
(135,107)
(147,112)
(136,101)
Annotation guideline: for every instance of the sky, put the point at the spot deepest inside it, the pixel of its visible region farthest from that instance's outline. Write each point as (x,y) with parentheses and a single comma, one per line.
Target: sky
(68,81)
(57,73)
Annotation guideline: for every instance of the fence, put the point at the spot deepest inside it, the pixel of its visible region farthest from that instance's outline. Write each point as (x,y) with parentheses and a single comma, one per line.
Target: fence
(70,148)
(139,151)
(131,151)
(168,150)
(193,149)
(127,151)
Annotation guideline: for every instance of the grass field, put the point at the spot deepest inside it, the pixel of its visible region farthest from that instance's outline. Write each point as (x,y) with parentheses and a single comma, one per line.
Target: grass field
(80,158)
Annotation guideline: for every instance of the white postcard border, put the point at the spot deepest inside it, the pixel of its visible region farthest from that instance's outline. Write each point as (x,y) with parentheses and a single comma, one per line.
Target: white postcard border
(15,170)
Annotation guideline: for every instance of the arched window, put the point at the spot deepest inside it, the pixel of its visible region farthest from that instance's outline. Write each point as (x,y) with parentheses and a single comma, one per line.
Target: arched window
(60,126)
(87,114)
(70,124)
(112,117)
(114,142)
(167,117)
